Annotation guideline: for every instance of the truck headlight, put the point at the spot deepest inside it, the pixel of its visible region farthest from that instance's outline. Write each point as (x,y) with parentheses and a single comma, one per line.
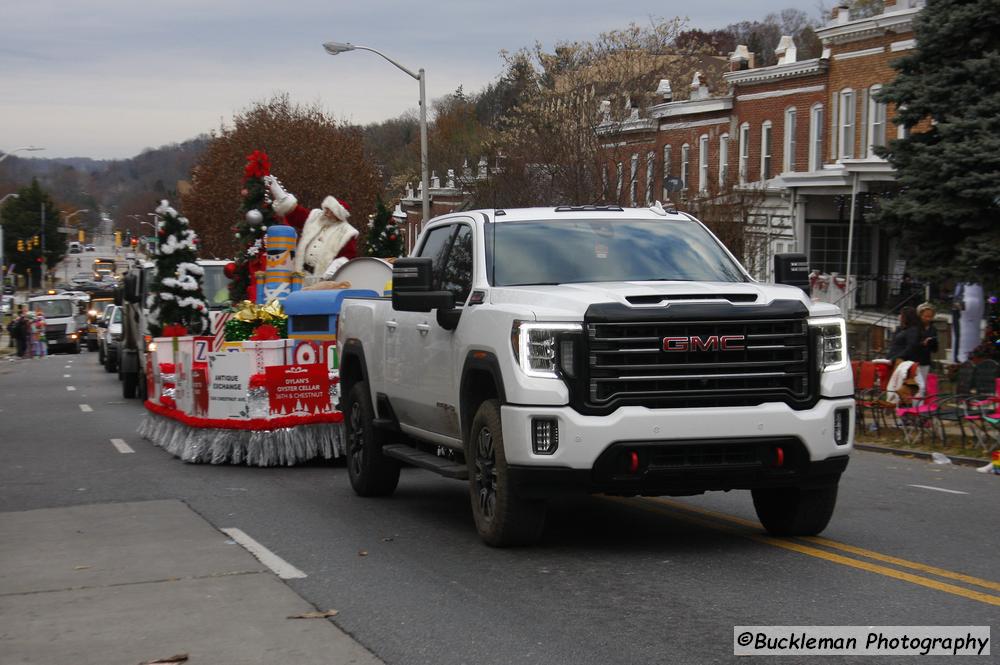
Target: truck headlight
(831,343)
(538,349)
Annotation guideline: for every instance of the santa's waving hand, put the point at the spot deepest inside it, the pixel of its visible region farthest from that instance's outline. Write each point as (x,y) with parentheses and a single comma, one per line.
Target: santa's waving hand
(326,239)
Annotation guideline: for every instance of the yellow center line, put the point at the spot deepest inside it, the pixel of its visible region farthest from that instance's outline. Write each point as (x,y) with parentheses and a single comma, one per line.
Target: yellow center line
(810,551)
(844,547)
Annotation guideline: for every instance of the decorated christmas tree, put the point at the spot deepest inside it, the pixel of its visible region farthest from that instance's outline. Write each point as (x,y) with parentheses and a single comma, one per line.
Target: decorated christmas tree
(385,237)
(176,298)
(257,216)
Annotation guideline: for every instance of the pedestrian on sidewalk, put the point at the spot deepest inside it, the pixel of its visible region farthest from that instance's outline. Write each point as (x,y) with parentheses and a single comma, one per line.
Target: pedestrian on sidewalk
(38,336)
(928,340)
(20,332)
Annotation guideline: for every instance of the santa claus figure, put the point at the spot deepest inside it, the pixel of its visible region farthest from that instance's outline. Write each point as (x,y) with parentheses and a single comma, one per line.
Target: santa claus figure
(326,239)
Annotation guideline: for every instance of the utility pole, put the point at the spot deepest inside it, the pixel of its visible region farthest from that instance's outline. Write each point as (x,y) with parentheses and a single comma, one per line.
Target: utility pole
(41,273)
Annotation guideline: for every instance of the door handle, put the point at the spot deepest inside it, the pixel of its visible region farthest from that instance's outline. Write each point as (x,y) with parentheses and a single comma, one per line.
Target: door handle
(391,325)
(424,328)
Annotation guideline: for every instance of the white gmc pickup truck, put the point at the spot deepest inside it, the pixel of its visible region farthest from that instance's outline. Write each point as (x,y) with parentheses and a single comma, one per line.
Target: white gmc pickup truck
(595,349)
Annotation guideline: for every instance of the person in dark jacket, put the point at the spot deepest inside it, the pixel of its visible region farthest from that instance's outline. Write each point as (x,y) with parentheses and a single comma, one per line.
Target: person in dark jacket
(928,339)
(906,342)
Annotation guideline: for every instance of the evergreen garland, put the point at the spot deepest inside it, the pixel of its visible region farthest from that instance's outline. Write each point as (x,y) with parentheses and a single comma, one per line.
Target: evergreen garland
(257,217)
(176,296)
(385,237)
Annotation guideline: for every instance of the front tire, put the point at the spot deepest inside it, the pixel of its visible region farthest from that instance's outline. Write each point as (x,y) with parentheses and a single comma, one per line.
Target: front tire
(371,472)
(502,518)
(795,511)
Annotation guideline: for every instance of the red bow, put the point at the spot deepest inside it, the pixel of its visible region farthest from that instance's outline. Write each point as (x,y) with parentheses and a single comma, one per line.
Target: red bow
(258,165)
(265,332)
(174,330)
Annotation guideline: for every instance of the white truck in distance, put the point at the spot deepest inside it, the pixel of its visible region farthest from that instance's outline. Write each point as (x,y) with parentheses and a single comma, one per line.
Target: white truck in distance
(595,349)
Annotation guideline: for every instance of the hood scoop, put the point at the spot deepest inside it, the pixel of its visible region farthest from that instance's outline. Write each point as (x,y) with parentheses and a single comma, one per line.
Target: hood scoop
(657,299)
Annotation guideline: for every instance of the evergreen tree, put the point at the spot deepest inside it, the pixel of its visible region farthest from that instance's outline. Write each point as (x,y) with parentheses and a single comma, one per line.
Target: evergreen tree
(385,238)
(250,231)
(21,219)
(176,297)
(948,167)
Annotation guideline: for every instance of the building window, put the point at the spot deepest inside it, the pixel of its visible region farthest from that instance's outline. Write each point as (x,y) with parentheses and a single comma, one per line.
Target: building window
(620,182)
(789,145)
(703,163)
(765,151)
(828,248)
(633,184)
(847,113)
(650,166)
(744,152)
(876,120)
(723,160)
(816,137)
(666,171)
(685,164)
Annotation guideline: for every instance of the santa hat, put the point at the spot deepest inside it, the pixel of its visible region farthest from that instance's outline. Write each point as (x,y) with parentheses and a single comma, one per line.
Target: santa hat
(398,212)
(336,208)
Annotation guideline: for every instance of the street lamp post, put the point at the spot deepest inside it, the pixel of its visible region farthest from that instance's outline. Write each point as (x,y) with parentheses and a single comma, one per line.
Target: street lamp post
(334,48)
(66,219)
(28,148)
(3,266)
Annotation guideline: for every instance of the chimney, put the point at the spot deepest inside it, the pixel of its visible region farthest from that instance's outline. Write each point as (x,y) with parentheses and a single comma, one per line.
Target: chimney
(435,180)
(841,14)
(481,168)
(450,182)
(604,110)
(785,50)
(698,89)
(664,92)
(466,170)
(740,59)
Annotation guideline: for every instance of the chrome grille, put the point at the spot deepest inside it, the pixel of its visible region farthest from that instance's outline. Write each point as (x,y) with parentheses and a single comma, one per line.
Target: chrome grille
(627,361)
(57,331)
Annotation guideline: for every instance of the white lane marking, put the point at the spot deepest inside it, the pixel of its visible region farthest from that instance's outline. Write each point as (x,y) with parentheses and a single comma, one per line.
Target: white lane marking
(278,566)
(85,408)
(121,446)
(938,489)
(70,387)
(66,376)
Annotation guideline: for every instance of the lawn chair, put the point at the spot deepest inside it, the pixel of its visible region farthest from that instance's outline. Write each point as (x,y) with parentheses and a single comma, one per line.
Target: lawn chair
(918,420)
(984,416)
(866,393)
(953,407)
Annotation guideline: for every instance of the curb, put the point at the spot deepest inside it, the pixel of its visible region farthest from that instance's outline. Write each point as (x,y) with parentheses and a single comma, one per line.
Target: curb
(955,459)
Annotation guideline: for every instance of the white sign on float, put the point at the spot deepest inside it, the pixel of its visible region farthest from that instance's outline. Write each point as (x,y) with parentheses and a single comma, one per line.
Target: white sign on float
(228,382)
(183,388)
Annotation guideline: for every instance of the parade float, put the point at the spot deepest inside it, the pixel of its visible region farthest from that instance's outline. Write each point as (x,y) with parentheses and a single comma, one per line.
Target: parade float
(259,384)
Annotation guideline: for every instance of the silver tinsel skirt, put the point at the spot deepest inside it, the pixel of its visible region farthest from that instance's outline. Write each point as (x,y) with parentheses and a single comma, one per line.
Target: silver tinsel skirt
(284,446)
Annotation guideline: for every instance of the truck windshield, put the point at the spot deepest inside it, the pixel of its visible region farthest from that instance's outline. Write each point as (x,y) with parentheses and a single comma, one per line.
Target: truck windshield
(215,286)
(53,309)
(560,252)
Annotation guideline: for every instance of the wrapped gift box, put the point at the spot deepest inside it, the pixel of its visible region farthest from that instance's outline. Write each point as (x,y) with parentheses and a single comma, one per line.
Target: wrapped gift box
(268,353)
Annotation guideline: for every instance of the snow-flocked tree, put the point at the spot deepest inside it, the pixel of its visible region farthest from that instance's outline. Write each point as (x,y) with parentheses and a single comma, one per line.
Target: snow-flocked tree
(176,296)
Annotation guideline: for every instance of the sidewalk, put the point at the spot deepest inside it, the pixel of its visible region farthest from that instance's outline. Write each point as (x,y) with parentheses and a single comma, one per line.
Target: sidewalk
(134,582)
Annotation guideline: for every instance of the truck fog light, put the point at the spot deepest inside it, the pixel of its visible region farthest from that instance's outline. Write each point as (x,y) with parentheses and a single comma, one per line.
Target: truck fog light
(545,436)
(841,426)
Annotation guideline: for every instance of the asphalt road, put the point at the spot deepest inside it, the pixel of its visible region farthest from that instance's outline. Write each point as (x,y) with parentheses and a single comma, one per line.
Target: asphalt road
(614,581)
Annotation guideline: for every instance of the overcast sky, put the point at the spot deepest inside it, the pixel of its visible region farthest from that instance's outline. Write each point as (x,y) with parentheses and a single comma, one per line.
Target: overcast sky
(108,78)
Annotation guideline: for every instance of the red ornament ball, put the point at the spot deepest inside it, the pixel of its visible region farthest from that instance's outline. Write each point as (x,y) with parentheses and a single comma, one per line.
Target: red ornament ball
(230,270)
(392,238)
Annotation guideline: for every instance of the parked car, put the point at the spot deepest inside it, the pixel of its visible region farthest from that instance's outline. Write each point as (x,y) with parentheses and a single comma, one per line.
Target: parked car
(111,340)
(75,248)
(6,304)
(89,248)
(99,301)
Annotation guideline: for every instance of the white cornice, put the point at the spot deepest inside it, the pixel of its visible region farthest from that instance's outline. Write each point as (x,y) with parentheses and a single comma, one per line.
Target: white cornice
(899,21)
(691,106)
(774,72)
(780,93)
(627,126)
(878,50)
(668,126)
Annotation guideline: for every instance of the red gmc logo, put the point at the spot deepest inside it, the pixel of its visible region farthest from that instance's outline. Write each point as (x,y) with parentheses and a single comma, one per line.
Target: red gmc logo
(710,343)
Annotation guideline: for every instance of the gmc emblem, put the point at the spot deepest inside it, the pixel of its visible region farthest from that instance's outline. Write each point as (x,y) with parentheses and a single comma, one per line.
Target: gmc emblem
(710,343)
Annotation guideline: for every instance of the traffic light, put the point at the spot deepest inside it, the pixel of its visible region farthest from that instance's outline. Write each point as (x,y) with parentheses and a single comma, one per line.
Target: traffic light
(81,236)
(20,245)
(135,241)
(118,238)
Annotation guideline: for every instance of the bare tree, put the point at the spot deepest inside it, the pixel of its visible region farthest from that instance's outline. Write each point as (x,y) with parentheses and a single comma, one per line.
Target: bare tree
(312,154)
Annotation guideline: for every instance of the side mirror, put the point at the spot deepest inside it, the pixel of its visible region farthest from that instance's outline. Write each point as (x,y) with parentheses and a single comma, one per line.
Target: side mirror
(792,269)
(131,291)
(411,287)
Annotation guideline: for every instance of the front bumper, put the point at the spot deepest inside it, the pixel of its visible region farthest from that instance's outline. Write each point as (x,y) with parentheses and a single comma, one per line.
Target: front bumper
(680,451)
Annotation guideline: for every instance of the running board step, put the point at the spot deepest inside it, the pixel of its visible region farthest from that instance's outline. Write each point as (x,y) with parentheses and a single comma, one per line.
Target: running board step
(438,465)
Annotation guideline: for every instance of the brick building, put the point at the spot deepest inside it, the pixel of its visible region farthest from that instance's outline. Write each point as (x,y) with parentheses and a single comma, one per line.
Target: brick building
(799,136)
